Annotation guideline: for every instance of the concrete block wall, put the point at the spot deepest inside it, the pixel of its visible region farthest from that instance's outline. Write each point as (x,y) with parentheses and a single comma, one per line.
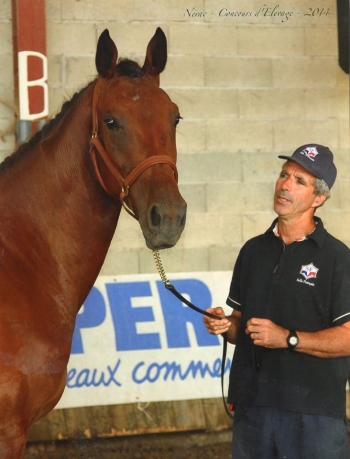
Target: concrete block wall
(250,84)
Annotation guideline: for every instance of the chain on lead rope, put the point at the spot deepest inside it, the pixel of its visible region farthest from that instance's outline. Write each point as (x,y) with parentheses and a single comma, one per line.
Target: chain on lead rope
(173,290)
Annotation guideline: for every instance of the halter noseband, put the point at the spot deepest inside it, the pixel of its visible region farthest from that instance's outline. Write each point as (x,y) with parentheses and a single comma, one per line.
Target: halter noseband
(124,183)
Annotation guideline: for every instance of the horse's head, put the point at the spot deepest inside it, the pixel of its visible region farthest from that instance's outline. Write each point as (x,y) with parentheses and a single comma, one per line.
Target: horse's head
(135,126)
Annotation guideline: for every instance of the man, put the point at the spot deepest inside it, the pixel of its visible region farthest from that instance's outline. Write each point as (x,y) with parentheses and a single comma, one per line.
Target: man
(290,294)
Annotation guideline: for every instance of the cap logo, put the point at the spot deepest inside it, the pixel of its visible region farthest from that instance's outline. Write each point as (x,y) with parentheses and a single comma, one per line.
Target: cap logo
(310,152)
(309,271)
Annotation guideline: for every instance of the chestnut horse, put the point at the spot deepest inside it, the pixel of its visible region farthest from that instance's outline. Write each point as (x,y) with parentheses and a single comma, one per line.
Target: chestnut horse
(60,198)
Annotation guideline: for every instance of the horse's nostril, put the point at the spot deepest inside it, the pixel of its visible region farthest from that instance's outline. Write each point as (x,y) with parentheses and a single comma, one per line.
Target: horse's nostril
(155,217)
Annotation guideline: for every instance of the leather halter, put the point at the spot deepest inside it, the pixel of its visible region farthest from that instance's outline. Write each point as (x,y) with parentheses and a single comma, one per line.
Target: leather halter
(124,182)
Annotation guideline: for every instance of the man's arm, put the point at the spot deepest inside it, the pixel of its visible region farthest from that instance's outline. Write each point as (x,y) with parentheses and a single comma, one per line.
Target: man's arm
(329,343)
(228,324)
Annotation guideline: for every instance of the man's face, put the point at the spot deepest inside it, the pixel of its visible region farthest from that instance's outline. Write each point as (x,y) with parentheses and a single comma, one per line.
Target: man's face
(294,192)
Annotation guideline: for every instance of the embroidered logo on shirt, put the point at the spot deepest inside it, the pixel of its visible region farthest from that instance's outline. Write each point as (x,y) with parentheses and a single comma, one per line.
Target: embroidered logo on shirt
(309,271)
(310,152)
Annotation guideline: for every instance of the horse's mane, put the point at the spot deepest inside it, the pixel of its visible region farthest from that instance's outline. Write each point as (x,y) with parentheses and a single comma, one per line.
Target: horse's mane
(38,136)
(125,67)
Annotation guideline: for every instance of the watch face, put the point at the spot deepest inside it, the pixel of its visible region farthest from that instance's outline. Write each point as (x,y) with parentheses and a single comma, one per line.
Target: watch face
(293,340)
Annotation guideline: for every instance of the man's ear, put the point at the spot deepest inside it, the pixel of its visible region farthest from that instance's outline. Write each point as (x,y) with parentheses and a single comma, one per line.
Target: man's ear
(319,200)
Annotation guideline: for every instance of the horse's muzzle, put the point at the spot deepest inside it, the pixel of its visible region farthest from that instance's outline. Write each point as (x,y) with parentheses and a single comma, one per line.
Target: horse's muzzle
(165,224)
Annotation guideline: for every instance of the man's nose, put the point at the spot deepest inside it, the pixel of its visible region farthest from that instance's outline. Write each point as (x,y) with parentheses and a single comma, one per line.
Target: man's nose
(285,184)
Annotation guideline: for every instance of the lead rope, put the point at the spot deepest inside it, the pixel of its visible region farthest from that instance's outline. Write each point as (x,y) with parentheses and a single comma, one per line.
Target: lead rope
(178,295)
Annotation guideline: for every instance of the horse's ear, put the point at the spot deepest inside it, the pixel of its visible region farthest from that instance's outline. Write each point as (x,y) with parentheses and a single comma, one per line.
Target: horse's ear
(106,55)
(156,55)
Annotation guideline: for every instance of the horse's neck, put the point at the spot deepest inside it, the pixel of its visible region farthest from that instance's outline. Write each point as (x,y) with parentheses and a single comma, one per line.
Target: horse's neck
(57,212)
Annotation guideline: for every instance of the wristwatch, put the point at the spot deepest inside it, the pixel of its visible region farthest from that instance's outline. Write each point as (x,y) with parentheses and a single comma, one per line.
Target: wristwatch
(292,340)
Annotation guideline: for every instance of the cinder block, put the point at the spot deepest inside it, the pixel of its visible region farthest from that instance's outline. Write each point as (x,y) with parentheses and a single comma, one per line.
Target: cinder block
(8,109)
(6,46)
(294,133)
(56,71)
(327,102)
(336,222)
(271,103)
(239,197)
(305,72)
(223,258)
(263,166)
(7,78)
(342,78)
(253,12)
(204,230)
(342,161)
(210,167)
(238,72)
(89,12)
(8,123)
(79,71)
(206,102)
(3,155)
(322,14)
(128,234)
(202,38)
(302,13)
(266,40)
(7,145)
(344,134)
(321,41)
(231,135)
(195,195)
(53,11)
(231,14)
(71,39)
(120,262)
(256,223)
(57,96)
(190,136)
(183,71)
(338,199)
(171,10)
(176,259)
(5,10)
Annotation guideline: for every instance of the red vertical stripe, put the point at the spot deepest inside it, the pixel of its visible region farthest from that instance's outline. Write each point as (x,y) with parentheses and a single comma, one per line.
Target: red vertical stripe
(29,34)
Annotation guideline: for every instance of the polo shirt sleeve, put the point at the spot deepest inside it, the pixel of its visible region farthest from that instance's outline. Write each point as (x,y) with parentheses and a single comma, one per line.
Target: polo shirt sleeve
(341,291)
(233,299)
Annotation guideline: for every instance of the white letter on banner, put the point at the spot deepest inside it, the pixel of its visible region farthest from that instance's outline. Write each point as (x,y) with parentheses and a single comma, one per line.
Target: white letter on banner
(24,84)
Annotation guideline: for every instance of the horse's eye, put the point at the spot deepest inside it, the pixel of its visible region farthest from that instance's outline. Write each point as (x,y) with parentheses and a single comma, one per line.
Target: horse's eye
(177,119)
(111,123)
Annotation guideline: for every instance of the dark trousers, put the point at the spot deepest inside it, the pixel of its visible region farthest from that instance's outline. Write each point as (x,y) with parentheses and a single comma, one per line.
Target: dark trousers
(268,433)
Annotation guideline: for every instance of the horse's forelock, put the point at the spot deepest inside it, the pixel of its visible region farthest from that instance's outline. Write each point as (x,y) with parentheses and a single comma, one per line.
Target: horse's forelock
(129,68)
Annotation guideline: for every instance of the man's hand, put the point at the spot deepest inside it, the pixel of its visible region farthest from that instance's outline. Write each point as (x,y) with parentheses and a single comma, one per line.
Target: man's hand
(229,325)
(216,326)
(265,333)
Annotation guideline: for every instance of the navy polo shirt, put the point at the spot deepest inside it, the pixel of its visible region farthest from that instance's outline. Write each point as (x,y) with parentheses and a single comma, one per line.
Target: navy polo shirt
(304,286)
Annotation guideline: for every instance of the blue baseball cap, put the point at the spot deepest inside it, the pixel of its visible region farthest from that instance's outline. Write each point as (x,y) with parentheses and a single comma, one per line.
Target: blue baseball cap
(316,159)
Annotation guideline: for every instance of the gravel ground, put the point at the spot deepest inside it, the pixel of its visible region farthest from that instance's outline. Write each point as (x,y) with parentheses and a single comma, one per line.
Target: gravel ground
(186,445)
(197,445)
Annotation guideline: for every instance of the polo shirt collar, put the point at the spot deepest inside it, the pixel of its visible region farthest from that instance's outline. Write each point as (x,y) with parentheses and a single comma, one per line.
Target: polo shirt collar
(318,235)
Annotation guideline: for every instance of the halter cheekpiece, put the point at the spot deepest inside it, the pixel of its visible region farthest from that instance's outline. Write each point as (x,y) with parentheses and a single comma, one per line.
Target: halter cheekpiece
(124,182)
